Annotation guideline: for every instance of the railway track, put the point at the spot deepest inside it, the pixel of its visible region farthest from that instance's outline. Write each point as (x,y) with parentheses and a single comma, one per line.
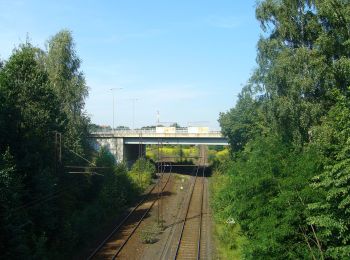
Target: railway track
(189,244)
(205,249)
(115,242)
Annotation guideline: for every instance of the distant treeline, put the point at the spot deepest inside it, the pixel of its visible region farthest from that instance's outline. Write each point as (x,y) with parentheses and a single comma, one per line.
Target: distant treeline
(284,191)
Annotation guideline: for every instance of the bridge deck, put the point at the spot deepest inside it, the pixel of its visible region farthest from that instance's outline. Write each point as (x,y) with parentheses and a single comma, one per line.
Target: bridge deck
(153,134)
(152,137)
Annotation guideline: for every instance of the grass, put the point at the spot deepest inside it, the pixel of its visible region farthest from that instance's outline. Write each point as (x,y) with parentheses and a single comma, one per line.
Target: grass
(141,173)
(181,176)
(150,234)
(229,240)
(141,179)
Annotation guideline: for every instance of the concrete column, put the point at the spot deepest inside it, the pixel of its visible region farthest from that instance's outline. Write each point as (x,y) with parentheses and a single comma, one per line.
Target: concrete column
(104,142)
(128,153)
(119,149)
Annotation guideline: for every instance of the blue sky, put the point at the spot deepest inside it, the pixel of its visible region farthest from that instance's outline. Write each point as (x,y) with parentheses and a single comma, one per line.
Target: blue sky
(186,58)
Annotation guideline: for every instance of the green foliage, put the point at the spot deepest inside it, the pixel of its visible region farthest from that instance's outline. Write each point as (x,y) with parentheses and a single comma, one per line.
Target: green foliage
(242,122)
(68,83)
(267,189)
(118,190)
(331,213)
(28,135)
(150,233)
(141,173)
(229,239)
(217,157)
(63,66)
(11,228)
(97,128)
(287,184)
(176,153)
(23,81)
(47,210)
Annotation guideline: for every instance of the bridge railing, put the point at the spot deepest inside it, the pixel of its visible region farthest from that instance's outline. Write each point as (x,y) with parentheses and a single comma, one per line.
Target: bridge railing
(149,131)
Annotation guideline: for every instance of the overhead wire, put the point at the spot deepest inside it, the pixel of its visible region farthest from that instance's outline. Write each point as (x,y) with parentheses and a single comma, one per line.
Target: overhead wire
(48,197)
(59,192)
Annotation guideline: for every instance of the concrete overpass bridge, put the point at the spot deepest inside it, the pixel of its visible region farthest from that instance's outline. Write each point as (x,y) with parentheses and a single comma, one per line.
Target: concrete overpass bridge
(126,145)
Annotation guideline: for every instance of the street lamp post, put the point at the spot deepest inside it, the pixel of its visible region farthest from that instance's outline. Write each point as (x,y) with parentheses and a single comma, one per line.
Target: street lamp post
(113,89)
(133,112)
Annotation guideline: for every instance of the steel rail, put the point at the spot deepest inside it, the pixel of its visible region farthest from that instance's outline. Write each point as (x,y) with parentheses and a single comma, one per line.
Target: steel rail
(167,242)
(184,222)
(100,246)
(200,220)
(138,223)
(184,165)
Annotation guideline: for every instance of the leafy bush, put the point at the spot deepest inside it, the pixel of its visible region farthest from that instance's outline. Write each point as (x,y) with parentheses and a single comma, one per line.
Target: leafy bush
(149,235)
(141,173)
(229,239)
(266,191)
(179,152)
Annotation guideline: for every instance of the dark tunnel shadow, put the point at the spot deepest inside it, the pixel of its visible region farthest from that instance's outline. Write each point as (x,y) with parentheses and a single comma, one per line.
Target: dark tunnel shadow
(186,168)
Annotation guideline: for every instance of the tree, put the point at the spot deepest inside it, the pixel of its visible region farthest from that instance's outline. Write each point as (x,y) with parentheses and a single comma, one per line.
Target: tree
(23,81)
(176,125)
(121,127)
(331,212)
(29,134)
(242,122)
(288,134)
(63,67)
(68,82)
(11,222)
(47,210)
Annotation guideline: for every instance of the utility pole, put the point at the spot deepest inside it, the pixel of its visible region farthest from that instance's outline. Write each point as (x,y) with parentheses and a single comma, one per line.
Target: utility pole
(133,112)
(113,89)
(58,150)
(158,180)
(158,117)
(161,192)
(141,159)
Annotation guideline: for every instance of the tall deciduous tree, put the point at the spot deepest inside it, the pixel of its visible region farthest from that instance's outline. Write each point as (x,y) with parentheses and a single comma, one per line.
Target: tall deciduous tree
(331,213)
(68,82)
(30,114)
(47,212)
(292,131)
(11,224)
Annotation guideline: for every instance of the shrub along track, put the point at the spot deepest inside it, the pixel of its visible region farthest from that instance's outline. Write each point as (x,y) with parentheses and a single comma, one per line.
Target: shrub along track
(189,243)
(114,243)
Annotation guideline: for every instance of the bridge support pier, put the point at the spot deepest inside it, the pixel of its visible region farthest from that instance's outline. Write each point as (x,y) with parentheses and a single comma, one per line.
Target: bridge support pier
(120,154)
(128,153)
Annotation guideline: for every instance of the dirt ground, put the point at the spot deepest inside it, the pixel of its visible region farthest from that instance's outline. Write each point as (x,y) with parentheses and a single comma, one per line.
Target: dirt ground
(170,210)
(106,229)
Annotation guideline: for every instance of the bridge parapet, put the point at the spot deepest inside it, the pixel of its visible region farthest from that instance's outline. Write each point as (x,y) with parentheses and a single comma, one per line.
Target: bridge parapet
(154,134)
